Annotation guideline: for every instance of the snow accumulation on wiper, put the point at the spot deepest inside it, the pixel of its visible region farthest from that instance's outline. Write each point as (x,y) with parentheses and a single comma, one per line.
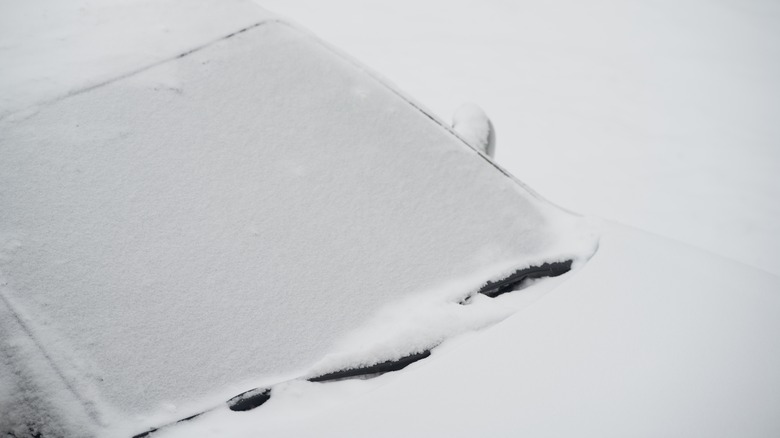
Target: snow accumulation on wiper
(502,286)
(258,210)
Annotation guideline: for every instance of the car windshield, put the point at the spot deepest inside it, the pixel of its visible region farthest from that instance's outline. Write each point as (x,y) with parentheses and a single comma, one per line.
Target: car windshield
(220,220)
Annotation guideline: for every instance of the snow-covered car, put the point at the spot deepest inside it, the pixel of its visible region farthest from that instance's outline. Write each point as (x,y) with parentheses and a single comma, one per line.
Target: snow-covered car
(243,232)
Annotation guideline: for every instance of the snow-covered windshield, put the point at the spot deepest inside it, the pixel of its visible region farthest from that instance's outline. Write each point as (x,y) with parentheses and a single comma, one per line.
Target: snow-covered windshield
(218,221)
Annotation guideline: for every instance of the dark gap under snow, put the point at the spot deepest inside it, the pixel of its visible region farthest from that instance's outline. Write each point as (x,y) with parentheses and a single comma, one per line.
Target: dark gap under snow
(500,287)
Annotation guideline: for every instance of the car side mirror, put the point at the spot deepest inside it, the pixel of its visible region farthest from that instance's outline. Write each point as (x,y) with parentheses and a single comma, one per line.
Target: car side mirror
(472,125)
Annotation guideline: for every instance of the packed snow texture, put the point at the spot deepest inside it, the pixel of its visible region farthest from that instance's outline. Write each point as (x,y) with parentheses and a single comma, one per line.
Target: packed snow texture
(227,218)
(661,114)
(650,338)
(49,48)
(34,396)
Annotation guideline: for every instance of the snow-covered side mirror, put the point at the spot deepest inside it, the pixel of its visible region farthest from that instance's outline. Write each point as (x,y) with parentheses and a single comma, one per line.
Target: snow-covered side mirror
(472,124)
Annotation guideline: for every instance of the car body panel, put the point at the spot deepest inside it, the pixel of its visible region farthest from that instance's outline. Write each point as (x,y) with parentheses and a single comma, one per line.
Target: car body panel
(650,338)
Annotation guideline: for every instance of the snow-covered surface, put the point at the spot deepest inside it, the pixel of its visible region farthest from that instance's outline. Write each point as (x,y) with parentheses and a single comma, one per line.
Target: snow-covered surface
(472,124)
(51,48)
(661,114)
(650,338)
(224,219)
(32,390)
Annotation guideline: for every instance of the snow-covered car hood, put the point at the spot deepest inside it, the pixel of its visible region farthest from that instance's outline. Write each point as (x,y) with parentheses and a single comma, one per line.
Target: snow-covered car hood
(650,338)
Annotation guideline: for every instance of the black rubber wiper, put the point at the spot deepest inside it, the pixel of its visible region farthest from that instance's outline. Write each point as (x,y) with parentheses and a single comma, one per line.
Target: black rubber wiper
(249,400)
(380,368)
(499,287)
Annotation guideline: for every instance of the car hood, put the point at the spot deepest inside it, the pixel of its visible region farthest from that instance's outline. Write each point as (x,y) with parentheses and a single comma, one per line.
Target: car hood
(650,338)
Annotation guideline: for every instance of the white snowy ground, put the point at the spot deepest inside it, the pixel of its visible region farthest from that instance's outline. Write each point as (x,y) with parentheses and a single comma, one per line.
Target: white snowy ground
(658,114)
